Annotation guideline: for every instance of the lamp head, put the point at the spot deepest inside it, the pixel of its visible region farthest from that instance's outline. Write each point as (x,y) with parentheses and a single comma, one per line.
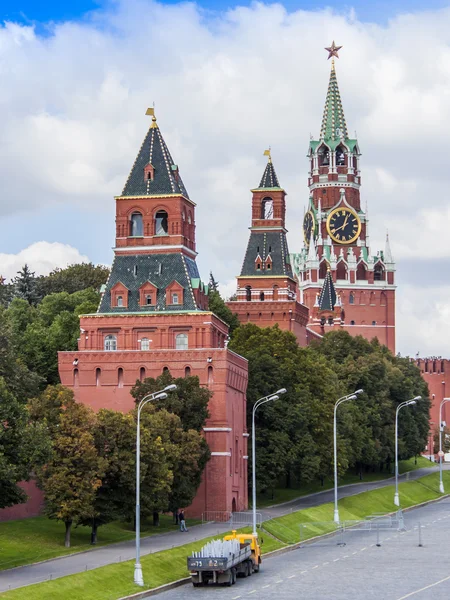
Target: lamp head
(417,398)
(411,402)
(161,396)
(170,388)
(358,392)
(274,397)
(282,391)
(352,397)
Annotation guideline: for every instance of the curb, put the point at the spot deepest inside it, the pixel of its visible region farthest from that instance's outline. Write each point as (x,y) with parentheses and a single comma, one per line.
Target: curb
(162,588)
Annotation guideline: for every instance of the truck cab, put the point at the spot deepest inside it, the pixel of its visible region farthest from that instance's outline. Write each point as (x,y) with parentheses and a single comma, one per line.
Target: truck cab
(252,541)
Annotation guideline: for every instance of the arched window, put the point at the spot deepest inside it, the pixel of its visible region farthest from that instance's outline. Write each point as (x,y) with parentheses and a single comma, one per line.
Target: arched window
(361,272)
(148,299)
(275,292)
(119,300)
(210,376)
(340,156)
(374,322)
(142,374)
(352,322)
(161,223)
(181,341)
(267,208)
(187,371)
(383,299)
(98,377)
(351,298)
(378,273)
(372,298)
(323,269)
(120,377)
(248,293)
(110,343)
(341,271)
(75,378)
(145,343)
(261,296)
(136,224)
(189,219)
(324,156)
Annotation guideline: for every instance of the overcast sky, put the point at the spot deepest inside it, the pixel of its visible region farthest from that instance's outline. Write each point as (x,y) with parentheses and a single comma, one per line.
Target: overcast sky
(227,84)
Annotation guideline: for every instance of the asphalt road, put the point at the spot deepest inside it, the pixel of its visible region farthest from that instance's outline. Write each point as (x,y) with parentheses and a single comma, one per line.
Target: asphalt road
(98,557)
(359,570)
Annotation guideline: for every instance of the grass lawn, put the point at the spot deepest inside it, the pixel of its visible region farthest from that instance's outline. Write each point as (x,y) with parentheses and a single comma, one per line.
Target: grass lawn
(116,581)
(355,507)
(31,540)
(285,495)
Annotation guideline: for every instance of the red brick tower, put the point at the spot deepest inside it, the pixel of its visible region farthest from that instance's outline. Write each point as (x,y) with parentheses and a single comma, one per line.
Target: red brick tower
(154,316)
(266,288)
(336,234)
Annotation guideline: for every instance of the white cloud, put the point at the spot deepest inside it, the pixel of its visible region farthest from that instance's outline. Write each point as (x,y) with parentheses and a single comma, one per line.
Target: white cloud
(41,257)
(226,85)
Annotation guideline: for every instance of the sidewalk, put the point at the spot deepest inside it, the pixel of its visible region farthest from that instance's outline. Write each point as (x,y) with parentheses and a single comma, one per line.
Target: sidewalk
(99,557)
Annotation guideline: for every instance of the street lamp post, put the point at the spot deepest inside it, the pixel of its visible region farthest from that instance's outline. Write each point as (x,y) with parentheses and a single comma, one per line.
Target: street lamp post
(257,404)
(400,406)
(441,427)
(338,402)
(161,395)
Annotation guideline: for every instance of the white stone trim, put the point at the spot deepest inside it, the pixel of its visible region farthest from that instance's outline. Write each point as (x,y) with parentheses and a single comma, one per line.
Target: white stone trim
(220,453)
(130,249)
(217,429)
(245,457)
(246,435)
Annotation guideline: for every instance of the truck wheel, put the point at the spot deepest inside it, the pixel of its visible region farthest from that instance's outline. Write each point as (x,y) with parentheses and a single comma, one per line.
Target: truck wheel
(256,568)
(249,569)
(233,576)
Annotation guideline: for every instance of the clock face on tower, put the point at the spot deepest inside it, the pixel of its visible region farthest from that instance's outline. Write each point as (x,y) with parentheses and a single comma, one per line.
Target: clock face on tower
(343,225)
(309,225)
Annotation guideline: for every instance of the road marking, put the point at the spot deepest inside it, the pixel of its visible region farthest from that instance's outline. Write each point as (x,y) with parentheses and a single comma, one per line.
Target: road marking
(279,581)
(336,559)
(303,572)
(325,563)
(427,587)
(362,549)
(265,586)
(353,553)
(291,576)
(346,556)
(252,592)
(315,567)
(236,597)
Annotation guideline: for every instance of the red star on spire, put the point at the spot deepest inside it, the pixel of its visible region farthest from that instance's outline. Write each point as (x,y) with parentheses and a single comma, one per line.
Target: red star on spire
(333,50)
(2,280)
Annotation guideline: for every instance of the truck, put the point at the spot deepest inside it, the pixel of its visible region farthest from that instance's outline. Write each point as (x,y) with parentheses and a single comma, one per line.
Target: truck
(222,561)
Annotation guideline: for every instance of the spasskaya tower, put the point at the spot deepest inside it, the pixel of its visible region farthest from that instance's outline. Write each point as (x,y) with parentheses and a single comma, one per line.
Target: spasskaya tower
(336,236)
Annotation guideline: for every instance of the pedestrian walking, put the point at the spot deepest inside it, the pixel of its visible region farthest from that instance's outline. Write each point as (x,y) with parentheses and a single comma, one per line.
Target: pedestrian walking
(182,521)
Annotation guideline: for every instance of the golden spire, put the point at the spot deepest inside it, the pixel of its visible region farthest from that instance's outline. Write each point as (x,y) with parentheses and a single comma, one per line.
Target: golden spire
(151,112)
(267,153)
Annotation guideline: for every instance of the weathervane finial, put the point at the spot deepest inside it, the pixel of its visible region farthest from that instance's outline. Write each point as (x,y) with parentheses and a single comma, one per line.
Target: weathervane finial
(151,112)
(333,51)
(267,153)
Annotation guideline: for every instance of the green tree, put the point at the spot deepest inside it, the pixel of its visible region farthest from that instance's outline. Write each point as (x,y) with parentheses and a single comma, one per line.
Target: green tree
(293,433)
(74,472)
(25,285)
(22,447)
(73,278)
(189,401)
(219,308)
